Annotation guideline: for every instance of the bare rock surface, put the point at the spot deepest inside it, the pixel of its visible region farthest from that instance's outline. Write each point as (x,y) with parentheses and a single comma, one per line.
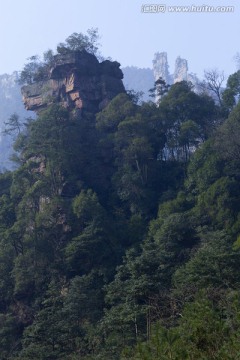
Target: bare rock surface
(77,80)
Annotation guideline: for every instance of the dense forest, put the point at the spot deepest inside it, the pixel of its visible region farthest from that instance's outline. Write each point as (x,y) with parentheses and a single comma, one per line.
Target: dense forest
(120,230)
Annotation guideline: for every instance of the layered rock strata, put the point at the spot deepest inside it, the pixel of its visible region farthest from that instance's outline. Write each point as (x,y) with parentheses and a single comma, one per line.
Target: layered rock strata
(77,80)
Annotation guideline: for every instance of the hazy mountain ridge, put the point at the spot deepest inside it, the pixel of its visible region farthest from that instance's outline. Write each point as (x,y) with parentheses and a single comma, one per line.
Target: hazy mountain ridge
(10,102)
(138,79)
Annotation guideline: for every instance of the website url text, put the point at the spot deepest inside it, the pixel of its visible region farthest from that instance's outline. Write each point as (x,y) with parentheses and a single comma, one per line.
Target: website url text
(162,8)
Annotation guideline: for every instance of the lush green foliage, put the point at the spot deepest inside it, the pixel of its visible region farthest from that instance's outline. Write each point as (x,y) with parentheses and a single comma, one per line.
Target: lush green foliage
(37,69)
(120,232)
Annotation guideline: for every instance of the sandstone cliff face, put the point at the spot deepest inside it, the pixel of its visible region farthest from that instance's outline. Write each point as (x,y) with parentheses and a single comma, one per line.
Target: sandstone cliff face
(181,74)
(160,67)
(181,70)
(77,80)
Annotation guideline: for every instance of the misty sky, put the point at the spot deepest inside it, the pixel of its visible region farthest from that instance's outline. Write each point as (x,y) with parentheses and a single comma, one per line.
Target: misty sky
(207,40)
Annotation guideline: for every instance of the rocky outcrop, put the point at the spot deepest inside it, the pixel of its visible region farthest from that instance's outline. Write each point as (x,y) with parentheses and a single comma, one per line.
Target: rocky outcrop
(181,70)
(160,67)
(77,80)
(181,74)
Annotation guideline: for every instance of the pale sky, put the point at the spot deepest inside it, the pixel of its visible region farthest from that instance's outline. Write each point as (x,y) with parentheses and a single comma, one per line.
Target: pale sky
(206,39)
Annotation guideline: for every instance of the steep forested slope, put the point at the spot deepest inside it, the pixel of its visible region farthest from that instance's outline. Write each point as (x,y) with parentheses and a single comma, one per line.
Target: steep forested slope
(120,232)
